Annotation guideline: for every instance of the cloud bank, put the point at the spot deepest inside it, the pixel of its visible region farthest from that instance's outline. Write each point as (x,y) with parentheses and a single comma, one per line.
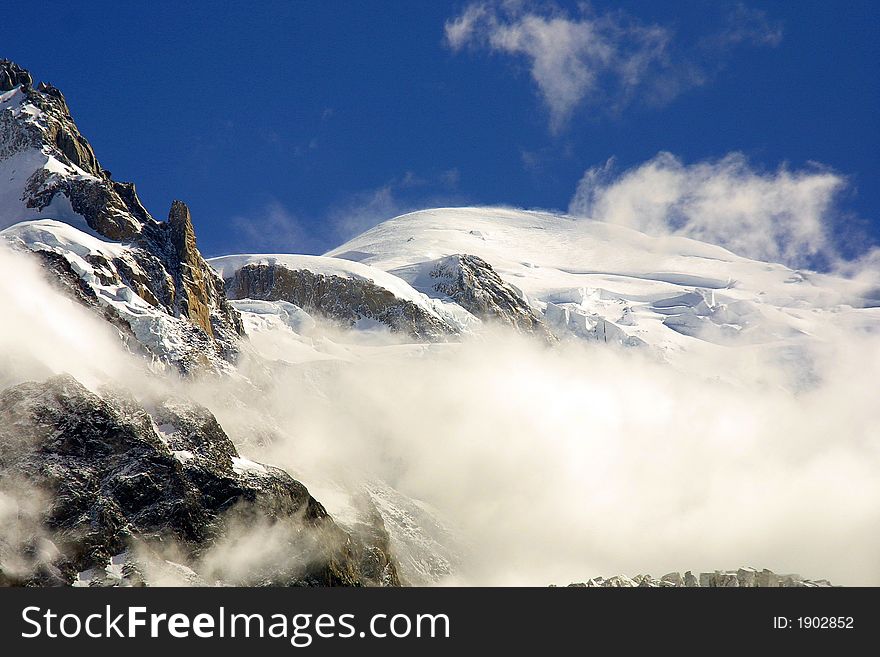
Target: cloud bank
(558,464)
(602,60)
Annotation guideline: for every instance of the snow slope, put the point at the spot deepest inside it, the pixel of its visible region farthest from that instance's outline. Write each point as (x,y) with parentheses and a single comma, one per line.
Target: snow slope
(598,281)
(24,161)
(96,262)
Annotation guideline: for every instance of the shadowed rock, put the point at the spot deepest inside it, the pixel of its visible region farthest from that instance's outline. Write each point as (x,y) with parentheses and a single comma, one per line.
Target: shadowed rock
(114,474)
(346,301)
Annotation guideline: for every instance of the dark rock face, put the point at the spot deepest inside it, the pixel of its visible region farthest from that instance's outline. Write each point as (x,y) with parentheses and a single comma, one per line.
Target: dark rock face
(342,300)
(12,75)
(115,473)
(166,268)
(471,282)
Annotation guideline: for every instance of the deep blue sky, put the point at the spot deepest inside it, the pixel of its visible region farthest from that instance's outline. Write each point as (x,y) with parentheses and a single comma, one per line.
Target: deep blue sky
(310,110)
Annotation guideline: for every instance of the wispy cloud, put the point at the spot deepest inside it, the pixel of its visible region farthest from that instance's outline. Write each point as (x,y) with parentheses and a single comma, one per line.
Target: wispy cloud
(411,191)
(746,25)
(605,60)
(783,215)
(275,228)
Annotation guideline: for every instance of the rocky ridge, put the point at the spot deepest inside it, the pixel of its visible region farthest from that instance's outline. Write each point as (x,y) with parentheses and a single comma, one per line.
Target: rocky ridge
(742,577)
(473,284)
(53,173)
(345,301)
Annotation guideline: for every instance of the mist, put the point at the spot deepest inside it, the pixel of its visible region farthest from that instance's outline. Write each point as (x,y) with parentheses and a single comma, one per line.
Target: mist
(557,464)
(551,464)
(43,332)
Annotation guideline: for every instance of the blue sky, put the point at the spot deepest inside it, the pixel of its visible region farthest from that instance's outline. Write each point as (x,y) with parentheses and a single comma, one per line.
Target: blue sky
(300,124)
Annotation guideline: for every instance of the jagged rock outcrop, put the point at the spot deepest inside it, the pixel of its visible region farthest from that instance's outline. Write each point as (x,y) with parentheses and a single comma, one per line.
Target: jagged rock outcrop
(53,170)
(743,577)
(114,476)
(118,283)
(193,276)
(473,284)
(347,301)
(12,75)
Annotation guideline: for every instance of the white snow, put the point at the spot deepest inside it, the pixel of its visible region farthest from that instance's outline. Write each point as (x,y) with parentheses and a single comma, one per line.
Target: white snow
(53,235)
(262,315)
(183,455)
(595,280)
(163,334)
(246,466)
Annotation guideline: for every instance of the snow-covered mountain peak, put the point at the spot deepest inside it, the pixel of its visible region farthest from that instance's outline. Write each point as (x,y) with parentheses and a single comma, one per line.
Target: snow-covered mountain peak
(593,280)
(49,170)
(50,175)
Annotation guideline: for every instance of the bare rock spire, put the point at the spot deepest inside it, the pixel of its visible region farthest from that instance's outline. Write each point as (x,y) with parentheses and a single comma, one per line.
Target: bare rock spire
(12,75)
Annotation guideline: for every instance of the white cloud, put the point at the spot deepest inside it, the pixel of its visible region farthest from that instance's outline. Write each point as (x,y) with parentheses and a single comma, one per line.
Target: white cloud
(782,215)
(747,25)
(365,210)
(44,332)
(273,228)
(462,29)
(601,60)
(560,464)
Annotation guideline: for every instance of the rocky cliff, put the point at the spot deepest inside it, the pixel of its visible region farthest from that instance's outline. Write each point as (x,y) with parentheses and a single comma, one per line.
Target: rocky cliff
(346,301)
(473,284)
(50,171)
(114,476)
